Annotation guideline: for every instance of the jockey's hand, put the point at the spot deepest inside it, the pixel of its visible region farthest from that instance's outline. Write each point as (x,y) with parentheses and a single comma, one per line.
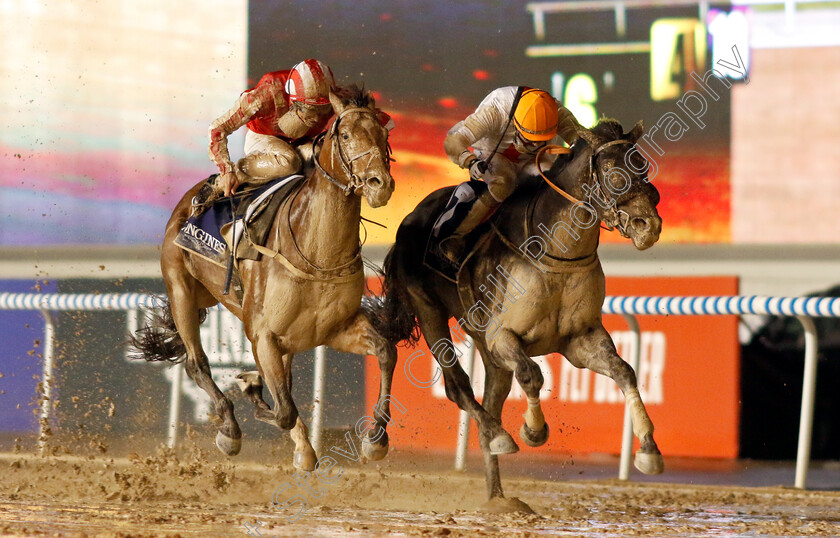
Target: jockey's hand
(477,169)
(228,183)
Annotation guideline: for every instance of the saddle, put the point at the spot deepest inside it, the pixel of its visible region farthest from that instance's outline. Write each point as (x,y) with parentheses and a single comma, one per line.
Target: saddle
(209,234)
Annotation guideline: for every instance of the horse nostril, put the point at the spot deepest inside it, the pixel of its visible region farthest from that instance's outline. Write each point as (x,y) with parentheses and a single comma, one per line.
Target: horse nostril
(640,225)
(374,182)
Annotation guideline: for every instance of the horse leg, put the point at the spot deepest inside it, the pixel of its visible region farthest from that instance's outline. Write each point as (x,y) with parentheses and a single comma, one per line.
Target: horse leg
(359,337)
(277,368)
(506,344)
(435,329)
(185,314)
(251,384)
(595,350)
(497,383)
(304,457)
(276,372)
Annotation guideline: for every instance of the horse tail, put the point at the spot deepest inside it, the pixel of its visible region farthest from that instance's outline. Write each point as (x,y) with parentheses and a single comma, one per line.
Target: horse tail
(159,340)
(392,314)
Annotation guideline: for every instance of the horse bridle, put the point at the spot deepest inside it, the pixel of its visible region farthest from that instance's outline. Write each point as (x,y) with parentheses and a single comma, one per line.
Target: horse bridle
(355,182)
(613,217)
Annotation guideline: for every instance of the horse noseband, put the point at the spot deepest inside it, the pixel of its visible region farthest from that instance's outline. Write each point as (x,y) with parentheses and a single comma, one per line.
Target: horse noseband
(354,182)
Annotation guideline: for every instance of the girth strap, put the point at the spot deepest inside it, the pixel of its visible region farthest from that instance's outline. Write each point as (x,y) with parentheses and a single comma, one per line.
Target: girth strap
(324,276)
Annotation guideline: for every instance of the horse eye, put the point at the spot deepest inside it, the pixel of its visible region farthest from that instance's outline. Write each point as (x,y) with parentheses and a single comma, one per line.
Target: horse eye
(345,136)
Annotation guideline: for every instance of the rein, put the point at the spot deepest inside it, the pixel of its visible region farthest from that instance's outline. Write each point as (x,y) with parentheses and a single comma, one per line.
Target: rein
(554,150)
(618,217)
(354,183)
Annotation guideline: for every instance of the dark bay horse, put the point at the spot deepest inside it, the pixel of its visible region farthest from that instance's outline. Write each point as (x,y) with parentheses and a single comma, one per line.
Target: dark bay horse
(533,286)
(305,291)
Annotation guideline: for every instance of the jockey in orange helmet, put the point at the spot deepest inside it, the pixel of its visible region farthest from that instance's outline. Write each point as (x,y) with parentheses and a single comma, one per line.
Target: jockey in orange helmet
(495,143)
(285,109)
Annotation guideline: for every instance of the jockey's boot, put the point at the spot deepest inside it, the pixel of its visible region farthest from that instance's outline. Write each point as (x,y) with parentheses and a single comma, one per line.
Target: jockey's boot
(466,215)
(205,198)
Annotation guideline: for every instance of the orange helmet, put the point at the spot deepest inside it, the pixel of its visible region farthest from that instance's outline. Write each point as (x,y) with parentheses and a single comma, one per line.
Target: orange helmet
(536,115)
(310,82)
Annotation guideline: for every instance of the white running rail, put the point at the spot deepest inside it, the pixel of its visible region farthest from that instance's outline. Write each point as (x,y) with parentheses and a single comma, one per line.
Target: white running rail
(803,308)
(47,303)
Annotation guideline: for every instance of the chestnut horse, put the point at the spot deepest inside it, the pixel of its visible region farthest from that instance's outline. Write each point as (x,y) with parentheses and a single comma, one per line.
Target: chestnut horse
(532,286)
(305,291)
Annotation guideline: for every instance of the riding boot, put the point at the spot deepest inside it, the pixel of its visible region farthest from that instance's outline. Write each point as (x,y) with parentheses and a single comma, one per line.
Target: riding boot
(464,219)
(206,197)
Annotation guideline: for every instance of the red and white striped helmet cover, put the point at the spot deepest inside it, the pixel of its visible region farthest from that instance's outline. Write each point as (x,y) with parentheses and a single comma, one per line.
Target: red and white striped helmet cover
(310,82)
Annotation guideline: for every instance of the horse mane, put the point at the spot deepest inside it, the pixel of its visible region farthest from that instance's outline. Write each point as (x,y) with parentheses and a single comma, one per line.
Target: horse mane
(608,128)
(354,95)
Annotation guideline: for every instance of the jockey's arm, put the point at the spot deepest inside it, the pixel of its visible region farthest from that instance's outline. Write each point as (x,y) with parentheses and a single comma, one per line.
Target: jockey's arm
(246,107)
(567,125)
(481,124)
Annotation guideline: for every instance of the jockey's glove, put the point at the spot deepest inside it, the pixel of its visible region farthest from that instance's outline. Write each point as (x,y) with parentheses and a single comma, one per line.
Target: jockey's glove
(477,169)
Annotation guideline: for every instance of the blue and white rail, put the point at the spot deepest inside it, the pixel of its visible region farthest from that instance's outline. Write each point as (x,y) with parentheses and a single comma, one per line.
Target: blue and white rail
(47,303)
(803,308)
(77,301)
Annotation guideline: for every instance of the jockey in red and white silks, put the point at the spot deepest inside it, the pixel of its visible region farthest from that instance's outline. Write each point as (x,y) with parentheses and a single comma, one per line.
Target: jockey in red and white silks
(284,109)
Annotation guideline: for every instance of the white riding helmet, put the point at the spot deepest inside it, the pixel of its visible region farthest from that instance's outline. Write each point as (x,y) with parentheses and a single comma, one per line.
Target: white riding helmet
(310,82)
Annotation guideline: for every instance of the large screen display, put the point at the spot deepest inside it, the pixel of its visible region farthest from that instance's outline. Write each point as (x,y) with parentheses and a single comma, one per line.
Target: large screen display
(431,62)
(106,106)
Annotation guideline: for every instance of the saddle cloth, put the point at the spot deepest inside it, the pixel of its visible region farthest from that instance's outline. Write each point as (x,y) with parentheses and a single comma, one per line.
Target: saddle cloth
(205,234)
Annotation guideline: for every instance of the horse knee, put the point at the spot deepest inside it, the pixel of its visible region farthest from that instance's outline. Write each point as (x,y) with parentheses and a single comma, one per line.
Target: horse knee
(196,369)
(528,374)
(286,415)
(385,352)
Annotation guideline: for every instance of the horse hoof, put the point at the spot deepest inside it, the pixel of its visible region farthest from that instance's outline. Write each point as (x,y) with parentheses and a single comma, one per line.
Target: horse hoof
(246,380)
(503,444)
(228,445)
(533,438)
(305,461)
(374,451)
(503,505)
(649,463)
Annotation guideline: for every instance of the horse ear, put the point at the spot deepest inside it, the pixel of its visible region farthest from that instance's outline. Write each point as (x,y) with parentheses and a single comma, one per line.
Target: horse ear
(637,131)
(589,136)
(335,101)
(371,102)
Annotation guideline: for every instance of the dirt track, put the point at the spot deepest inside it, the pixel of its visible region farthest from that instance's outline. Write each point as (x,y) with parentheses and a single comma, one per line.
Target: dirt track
(197,494)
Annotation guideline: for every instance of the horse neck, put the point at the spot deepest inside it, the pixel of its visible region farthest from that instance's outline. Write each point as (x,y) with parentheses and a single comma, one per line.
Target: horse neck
(325,221)
(563,225)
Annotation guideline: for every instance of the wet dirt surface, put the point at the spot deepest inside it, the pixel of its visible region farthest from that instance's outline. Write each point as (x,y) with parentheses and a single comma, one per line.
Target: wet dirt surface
(197,493)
